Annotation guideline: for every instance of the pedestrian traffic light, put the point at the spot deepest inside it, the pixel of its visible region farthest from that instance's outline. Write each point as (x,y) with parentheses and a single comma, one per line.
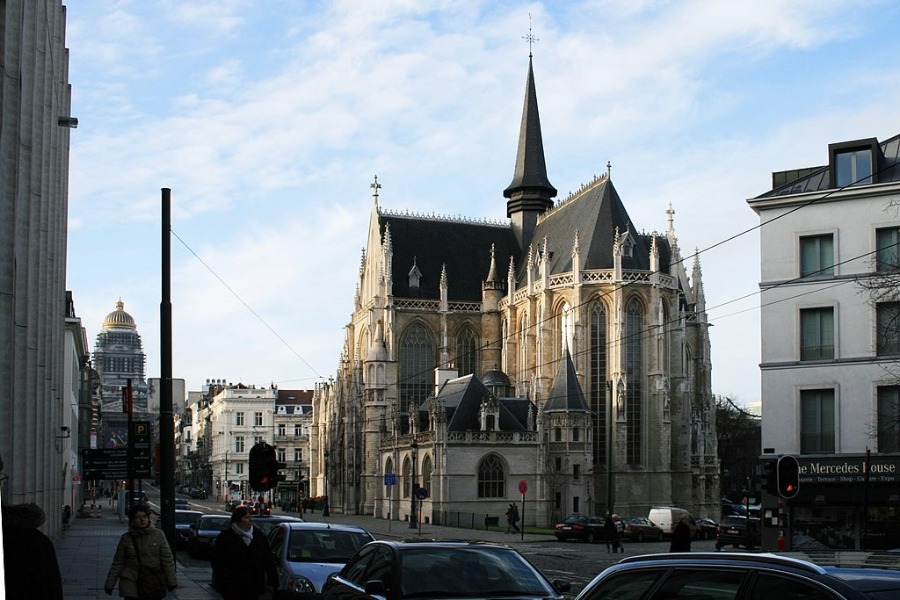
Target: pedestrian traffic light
(788,477)
(263,474)
(769,476)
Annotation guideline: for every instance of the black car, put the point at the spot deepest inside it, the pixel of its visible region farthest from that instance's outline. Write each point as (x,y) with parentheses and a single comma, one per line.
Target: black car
(266,523)
(733,532)
(733,576)
(204,532)
(580,527)
(446,570)
(707,528)
(639,529)
(183,521)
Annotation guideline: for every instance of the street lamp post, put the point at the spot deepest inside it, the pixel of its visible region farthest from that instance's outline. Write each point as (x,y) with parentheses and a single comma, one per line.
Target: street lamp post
(326,512)
(414,447)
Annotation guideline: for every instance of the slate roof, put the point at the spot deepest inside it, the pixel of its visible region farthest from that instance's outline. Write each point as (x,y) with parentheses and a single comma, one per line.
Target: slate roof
(462,399)
(463,246)
(816,179)
(565,393)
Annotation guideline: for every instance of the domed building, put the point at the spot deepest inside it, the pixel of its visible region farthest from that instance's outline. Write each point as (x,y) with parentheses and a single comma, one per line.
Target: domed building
(119,357)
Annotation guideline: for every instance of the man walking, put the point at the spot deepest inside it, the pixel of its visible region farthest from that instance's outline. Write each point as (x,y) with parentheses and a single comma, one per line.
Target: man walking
(512,518)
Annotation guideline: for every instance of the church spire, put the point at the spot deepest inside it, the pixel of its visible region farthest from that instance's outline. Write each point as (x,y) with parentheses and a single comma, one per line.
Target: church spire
(530,192)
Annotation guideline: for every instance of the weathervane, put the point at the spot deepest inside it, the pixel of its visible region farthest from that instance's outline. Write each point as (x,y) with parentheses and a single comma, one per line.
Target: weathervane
(375,186)
(529,38)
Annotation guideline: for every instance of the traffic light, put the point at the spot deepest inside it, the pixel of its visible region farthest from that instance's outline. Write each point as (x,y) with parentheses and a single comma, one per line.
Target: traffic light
(263,471)
(788,477)
(769,476)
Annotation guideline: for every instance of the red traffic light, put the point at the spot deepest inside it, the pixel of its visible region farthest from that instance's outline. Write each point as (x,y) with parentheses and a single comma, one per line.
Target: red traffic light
(788,476)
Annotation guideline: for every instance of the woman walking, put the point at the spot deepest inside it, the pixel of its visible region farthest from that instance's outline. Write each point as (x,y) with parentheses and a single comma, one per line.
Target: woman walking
(143,564)
(242,560)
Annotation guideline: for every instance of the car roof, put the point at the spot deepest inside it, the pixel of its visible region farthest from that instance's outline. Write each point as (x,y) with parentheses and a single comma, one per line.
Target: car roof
(306,526)
(414,543)
(182,511)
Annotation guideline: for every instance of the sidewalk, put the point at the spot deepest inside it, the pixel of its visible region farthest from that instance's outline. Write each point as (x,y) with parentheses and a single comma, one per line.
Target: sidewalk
(86,550)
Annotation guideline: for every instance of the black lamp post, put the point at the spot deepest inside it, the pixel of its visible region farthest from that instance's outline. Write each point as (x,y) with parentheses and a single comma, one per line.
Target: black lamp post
(325,510)
(414,448)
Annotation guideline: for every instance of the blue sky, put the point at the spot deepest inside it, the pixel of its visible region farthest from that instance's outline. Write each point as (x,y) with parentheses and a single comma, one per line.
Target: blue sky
(269,120)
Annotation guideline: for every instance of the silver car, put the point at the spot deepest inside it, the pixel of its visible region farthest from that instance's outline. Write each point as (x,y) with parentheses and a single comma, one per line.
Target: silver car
(307,553)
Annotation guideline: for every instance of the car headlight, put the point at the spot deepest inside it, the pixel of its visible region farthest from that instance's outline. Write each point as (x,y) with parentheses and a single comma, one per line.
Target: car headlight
(300,585)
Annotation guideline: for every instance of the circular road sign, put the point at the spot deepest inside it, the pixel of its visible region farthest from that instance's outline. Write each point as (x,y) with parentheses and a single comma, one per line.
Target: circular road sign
(421,493)
(523,487)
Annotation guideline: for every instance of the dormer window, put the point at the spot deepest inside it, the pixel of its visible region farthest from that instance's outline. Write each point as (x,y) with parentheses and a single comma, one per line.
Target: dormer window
(854,163)
(415,275)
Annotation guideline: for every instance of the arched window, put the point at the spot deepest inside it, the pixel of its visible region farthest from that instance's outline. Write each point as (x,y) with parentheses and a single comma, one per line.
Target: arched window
(407,477)
(598,378)
(634,373)
(557,434)
(466,352)
(426,474)
(417,361)
(576,434)
(523,349)
(566,330)
(491,478)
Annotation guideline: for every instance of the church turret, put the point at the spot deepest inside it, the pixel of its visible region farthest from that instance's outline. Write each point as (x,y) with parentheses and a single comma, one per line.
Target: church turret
(530,192)
(492,291)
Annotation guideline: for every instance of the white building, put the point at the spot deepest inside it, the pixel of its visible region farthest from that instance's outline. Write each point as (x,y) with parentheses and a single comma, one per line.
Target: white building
(829,351)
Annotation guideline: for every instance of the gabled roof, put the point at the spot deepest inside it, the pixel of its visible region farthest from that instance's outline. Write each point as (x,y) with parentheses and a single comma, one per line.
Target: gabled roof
(464,247)
(462,398)
(566,393)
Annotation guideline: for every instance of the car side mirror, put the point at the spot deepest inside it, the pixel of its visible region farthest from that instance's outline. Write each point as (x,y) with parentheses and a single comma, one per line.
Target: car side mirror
(376,587)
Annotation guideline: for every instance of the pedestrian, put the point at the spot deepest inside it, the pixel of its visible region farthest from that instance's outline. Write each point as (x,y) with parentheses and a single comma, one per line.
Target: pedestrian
(619,543)
(143,565)
(512,518)
(681,536)
(242,560)
(609,532)
(30,564)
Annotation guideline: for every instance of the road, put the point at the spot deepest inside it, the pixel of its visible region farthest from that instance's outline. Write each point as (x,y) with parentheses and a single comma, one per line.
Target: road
(576,562)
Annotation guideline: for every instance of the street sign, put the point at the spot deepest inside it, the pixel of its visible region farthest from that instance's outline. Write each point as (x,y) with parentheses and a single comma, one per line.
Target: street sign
(421,493)
(112,463)
(523,487)
(390,479)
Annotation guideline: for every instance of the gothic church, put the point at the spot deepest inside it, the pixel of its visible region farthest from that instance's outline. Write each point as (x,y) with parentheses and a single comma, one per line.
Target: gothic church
(563,353)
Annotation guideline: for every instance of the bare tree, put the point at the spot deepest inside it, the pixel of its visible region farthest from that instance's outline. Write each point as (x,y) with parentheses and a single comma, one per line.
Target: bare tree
(739,435)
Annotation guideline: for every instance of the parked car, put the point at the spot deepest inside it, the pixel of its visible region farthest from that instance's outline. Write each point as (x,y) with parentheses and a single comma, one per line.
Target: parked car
(182,503)
(307,553)
(232,504)
(667,518)
(733,532)
(204,532)
(267,523)
(728,576)
(183,521)
(708,528)
(445,570)
(639,529)
(198,494)
(580,527)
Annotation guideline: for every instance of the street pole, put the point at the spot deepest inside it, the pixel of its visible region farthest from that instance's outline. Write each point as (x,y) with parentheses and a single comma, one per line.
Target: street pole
(413,446)
(166,417)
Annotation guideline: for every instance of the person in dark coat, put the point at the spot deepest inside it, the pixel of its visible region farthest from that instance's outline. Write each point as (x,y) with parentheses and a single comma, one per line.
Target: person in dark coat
(143,539)
(242,560)
(681,537)
(29,558)
(609,532)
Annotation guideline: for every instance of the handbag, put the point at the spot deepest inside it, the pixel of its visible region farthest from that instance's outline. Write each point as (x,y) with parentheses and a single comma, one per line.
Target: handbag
(151,583)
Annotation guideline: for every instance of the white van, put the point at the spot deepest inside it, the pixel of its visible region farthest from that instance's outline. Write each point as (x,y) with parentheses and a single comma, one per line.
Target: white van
(667,517)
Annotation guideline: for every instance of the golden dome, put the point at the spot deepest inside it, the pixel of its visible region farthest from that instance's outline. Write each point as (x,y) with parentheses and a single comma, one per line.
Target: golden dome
(119,318)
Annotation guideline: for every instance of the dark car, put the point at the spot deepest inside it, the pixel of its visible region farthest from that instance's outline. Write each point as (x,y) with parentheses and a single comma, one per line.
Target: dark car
(580,527)
(204,532)
(267,523)
(733,532)
(445,570)
(232,504)
(198,494)
(731,576)
(639,529)
(183,521)
(182,503)
(307,553)
(707,528)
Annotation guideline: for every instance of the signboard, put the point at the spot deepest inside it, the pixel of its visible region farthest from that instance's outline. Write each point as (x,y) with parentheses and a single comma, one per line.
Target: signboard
(421,493)
(390,479)
(112,463)
(523,487)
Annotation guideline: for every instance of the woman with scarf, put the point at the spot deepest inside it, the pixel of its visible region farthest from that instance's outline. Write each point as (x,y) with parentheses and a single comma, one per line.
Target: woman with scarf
(142,551)
(242,560)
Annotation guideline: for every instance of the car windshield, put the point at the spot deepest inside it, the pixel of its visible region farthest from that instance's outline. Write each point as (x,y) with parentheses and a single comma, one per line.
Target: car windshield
(325,545)
(213,523)
(482,572)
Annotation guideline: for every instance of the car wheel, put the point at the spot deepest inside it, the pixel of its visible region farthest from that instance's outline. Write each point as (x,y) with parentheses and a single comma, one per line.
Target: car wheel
(591,537)
(640,536)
